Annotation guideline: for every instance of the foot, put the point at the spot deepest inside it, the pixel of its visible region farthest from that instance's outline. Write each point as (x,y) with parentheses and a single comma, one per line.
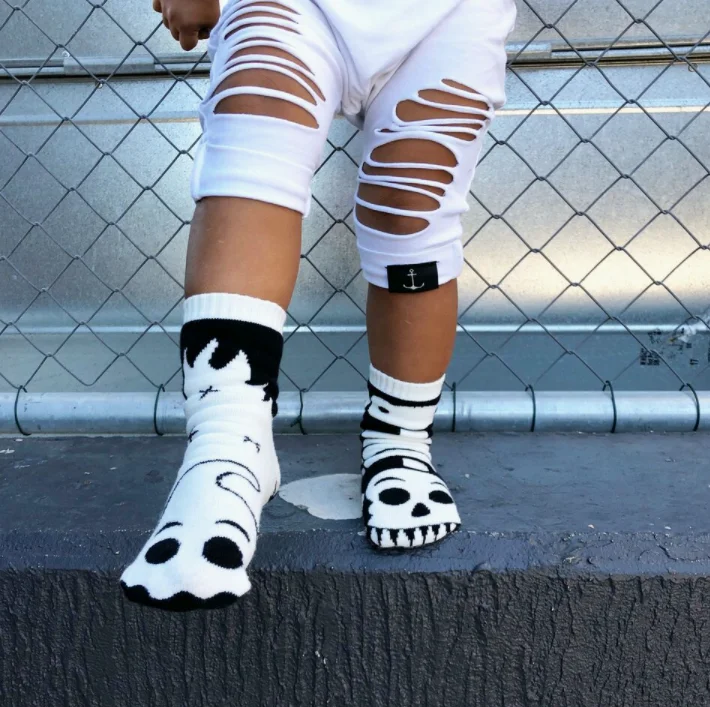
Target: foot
(405,502)
(198,554)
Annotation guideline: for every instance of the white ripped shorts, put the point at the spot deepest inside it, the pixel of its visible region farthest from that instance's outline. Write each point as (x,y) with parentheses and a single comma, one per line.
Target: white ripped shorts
(362,58)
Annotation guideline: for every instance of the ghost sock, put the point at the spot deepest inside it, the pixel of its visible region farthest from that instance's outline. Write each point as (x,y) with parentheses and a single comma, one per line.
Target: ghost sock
(197,556)
(405,502)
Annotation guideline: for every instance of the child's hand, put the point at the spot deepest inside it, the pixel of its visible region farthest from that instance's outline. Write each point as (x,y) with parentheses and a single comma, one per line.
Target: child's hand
(188,20)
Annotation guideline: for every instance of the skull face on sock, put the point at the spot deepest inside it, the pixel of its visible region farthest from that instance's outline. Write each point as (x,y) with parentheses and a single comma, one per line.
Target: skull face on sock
(406,504)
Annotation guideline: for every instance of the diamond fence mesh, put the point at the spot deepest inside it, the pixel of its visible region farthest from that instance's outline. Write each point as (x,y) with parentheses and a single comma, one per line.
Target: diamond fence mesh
(586,242)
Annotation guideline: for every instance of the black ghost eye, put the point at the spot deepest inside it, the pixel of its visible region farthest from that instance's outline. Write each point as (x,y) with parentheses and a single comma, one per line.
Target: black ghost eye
(223,552)
(440,497)
(381,409)
(394,497)
(162,551)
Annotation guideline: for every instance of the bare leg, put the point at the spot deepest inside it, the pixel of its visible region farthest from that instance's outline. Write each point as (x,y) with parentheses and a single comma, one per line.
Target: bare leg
(242,264)
(414,172)
(411,336)
(245,247)
(241,245)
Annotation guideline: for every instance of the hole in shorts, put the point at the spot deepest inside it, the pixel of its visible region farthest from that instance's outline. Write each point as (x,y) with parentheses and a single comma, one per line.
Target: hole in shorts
(279,71)
(386,187)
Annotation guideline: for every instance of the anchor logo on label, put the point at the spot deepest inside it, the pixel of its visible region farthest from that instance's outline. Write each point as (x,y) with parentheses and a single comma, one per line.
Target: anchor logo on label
(412,286)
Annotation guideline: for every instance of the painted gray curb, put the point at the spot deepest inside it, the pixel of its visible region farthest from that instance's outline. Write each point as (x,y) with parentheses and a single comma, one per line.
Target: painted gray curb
(582,578)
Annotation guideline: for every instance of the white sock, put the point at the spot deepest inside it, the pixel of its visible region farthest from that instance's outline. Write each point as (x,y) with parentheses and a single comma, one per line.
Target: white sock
(231,347)
(405,503)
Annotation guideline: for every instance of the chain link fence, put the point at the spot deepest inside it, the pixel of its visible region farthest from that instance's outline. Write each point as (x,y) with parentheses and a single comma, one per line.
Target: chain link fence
(586,243)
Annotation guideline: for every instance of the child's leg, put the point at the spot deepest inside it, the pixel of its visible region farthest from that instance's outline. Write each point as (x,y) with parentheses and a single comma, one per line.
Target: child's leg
(271,60)
(423,139)
(275,86)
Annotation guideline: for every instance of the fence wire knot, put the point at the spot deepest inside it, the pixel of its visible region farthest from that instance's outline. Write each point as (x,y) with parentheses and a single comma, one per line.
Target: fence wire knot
(161,388)
(17,419)
(299,420)
(613,403)
(534,407)
(697,404)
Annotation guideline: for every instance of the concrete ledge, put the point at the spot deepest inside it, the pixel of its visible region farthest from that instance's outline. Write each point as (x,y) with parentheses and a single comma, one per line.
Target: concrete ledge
(582,578)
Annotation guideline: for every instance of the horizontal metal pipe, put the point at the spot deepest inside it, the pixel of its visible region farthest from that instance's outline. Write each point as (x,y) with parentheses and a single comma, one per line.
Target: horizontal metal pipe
(329,412)
(524,54)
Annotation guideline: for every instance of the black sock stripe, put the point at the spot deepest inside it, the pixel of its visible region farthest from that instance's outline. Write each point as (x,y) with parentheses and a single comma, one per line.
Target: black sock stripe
(372,390)
(394,461)
(396,450)
(374,424)
(369,422)
(386,462)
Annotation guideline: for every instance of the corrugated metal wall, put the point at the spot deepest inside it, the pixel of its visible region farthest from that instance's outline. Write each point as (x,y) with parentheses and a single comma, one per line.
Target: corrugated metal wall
(586,242)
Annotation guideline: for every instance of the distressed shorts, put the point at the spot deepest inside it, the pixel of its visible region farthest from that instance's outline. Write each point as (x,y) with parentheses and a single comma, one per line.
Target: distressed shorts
(367,63)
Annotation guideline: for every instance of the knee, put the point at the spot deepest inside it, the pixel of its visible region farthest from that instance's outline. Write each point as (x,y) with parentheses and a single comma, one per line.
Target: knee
(404,181)
(398,200)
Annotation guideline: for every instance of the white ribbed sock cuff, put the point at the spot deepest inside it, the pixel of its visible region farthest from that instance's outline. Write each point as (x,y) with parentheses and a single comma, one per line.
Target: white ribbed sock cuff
(243,308)
(415,392)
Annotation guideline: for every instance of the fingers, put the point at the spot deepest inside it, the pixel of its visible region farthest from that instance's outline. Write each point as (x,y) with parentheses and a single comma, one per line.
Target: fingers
(188,28)
(188,39)
(172,27)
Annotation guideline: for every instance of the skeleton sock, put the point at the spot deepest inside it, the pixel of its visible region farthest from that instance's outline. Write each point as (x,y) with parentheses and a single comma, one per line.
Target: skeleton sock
(405,501)
(197,556)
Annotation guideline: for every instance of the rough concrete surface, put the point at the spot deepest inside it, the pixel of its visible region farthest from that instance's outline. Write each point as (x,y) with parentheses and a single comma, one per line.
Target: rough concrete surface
(582,577)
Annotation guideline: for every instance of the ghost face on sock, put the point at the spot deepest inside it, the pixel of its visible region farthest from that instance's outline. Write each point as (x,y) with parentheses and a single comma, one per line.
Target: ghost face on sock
(198,555)
(408,506)
(197,537)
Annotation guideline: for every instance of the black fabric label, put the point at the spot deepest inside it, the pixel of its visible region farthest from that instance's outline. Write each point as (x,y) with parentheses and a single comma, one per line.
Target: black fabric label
(418,277)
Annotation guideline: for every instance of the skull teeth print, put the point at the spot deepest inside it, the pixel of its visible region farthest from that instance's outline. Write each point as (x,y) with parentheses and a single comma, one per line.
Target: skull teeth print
(400,495)
(410,537)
